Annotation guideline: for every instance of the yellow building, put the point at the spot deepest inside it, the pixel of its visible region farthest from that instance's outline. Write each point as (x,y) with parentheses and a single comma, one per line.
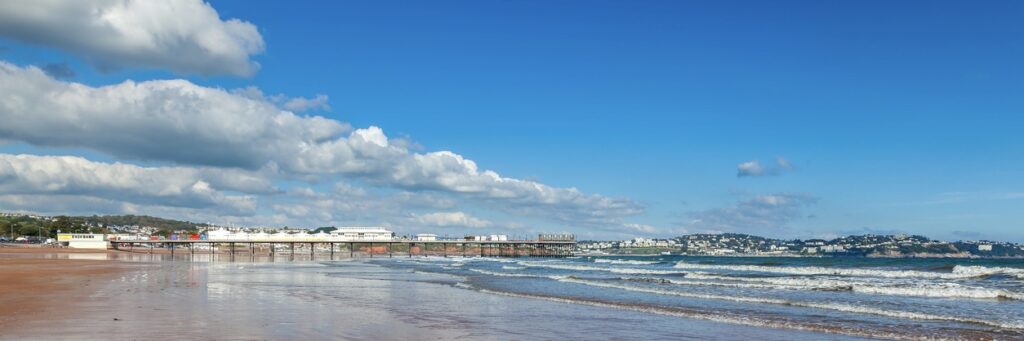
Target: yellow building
(83,240)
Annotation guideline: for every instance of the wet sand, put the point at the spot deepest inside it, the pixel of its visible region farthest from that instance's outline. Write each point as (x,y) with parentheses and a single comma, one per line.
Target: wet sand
(34,288)
(156,297)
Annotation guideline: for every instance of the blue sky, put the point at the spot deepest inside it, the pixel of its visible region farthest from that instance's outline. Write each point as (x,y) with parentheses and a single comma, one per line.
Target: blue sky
(888,116)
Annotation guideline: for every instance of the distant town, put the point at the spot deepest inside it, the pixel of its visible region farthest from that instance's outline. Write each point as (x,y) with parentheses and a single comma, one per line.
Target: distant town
(27,228)
(20,227)
(733,244)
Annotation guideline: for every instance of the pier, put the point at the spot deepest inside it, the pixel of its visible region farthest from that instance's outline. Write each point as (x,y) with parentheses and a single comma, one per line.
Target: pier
(352,249)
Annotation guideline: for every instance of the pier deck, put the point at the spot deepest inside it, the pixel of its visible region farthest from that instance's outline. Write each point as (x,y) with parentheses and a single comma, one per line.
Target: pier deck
(387,248)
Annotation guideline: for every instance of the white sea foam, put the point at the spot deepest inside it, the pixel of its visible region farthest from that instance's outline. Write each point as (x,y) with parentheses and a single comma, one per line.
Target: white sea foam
(632,271)
(624,261)
(509,267)
(827,306)
(727,285)
(500,274)
(717,317)
(946,291)
(918,289)
(978,271)
(905,288)
(817,270)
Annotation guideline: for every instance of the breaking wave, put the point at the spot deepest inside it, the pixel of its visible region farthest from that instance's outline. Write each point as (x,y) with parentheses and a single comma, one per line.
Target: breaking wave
(702,315)
(959,272)
(826,306)
(632,271)
(500,274)
(624,261)
(937,290)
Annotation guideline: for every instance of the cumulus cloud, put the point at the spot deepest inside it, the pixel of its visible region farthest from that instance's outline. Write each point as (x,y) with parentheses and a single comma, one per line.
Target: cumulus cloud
(32,175)
(449,219)
(185,36)
(178,121)
(300,104)
(756,214)
(172,120)
(346,204)
(294,104)
(753,168)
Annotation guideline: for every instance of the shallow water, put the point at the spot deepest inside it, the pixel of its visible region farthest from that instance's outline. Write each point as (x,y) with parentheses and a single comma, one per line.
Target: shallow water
(360,299)
(885,298)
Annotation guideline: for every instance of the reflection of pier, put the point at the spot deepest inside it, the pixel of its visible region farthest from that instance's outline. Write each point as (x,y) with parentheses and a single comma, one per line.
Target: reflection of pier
(396,248)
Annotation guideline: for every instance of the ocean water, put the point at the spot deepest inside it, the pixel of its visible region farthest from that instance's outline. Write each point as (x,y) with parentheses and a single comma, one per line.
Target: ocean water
(579,298)
(865,297)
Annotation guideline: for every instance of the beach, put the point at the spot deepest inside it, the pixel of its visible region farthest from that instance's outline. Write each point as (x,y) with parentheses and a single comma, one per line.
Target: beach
(34,281)
(51,296)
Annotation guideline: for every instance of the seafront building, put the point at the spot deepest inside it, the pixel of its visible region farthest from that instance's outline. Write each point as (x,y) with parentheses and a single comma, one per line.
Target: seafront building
(341,234)
(83,240)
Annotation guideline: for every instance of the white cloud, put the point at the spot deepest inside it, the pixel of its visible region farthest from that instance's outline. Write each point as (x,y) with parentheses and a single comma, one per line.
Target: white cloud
(171,120)
(754,168)
(450,219)
(348,205)
(186,36)
(294,104)
(750,168)
(31,175)
(641,228)
(756,214)
(178,121)
(299,104)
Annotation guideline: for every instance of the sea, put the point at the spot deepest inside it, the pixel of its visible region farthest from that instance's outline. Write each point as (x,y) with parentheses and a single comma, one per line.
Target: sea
(575,298)
(889,298)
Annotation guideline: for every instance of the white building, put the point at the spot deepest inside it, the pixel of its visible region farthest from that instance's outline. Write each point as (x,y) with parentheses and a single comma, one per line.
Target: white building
(342,234)
(832,248)
(426,237)
(83,240)
(362,234)
(984,247)
(490,238)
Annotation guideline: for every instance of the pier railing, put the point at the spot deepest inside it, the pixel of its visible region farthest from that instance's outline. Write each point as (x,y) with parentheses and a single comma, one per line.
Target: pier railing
(370,248)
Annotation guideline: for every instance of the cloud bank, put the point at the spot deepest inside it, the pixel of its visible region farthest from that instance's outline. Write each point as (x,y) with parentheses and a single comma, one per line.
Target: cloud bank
(758,214)
(179,122)
(163,186)
(185,36)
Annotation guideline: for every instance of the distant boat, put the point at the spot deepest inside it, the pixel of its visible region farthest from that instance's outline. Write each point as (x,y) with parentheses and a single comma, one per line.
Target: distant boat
(666,253)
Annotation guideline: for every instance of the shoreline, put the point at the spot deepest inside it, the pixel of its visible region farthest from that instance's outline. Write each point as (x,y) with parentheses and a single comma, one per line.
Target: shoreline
(913,256)
(60,298)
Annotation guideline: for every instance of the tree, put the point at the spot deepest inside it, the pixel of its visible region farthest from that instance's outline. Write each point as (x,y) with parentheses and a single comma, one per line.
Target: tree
(5,228)
(67,224)
(29,230)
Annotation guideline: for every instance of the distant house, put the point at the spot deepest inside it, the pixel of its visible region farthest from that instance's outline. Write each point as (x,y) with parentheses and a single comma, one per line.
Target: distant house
(362,234)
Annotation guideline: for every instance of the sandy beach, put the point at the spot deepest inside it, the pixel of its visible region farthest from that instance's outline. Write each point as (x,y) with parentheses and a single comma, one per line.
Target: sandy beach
(35,282)
(45,295)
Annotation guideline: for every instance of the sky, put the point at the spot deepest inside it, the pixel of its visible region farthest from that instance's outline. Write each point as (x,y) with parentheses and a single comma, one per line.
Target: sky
(607,119)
